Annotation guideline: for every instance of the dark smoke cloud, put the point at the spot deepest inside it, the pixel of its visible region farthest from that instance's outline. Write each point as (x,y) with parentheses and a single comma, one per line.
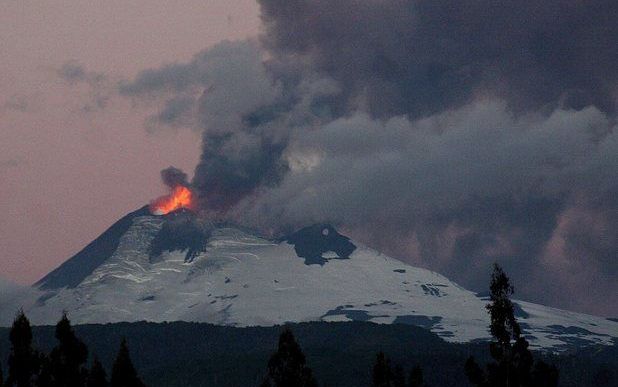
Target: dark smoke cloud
(173,177)
(461,189)
(74,72)
(420,57)
(450,134)
(99,87)
(226,93)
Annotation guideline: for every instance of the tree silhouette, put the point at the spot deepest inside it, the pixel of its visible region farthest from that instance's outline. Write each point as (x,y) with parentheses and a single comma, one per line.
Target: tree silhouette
(512,364)
(382,373)
(503,326)
(97,376)
(474,372)
(416,377)
(68,357)
(399,379)
(23,361)
(45,377)
(544,374)
(123,371)
(287,367)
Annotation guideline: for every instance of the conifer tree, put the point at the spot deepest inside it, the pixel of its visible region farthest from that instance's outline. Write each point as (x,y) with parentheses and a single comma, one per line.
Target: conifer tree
(123,371)
(474,372)
(97,376)
(287,367)
(68,357)
(1,377)
(399,379)
(513,361)
(544,374)
(45,376)
(23,359)
(416,377)
(382,372)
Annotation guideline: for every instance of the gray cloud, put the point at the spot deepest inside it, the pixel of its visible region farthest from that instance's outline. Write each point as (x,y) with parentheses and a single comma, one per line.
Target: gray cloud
(74,72)
(10,163)
(98,84)
(223,92)
(458,190)
(448,134)
(20,103)
(417,58)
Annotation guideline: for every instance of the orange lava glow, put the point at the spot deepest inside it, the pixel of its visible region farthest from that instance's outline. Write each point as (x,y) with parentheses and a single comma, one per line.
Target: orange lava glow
(180,197)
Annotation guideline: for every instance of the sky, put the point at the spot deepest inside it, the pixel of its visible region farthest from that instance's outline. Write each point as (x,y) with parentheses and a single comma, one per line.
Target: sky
(449,134)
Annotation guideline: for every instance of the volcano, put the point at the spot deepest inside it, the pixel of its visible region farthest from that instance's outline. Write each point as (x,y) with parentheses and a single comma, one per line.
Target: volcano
(179,267)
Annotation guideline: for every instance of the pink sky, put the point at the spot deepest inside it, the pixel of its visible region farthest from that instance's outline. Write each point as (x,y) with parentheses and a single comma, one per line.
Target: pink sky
(66,174)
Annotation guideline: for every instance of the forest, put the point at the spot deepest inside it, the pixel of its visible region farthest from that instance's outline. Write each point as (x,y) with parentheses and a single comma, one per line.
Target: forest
(303,354)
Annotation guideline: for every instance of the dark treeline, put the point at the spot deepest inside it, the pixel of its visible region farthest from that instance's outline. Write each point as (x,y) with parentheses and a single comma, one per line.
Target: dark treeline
(65,365)
(386,375)
(332,354)
(512,363)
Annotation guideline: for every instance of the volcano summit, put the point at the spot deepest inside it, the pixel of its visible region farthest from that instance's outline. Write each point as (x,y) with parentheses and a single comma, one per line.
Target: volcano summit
(181,267)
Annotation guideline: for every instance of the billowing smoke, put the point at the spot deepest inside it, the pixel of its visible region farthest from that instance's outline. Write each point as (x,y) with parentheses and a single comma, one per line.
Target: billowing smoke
(173,177)
(458,190)
(224,93)
(450,134)
(420,57)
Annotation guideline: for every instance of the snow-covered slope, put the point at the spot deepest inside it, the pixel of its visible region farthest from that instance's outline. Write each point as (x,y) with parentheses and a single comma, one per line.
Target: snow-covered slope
(175,267)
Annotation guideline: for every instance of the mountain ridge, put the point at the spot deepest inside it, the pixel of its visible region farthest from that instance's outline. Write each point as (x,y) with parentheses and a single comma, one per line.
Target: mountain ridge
(218,273)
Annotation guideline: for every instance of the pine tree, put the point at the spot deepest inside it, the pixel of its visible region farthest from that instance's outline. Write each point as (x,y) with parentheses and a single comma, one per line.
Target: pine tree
(416,377)
(68,357)
(287,367)
(1,377)
(123,371)
(544,375)
(474,372)
(513,361)
(399,379)
(382,372)
(45,377)
(503,326)
(97,376)
(23,359)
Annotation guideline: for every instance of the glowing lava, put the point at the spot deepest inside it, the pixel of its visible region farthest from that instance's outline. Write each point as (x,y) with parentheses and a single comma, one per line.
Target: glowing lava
(180,197)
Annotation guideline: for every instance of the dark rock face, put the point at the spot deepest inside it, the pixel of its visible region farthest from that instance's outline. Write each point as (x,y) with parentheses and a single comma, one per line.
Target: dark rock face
(352,314)
(426,322)
(312,242)
(182,231)
(72,272)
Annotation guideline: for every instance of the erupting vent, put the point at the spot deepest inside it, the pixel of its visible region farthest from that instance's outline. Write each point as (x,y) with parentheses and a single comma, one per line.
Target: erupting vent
(180,197)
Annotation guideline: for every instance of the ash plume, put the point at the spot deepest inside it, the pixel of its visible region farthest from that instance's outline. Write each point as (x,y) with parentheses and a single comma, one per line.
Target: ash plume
(450,134)
(173,177)
(226,89)
(421,57)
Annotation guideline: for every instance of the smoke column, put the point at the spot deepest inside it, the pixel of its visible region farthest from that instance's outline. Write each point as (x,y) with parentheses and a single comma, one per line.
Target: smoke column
(450,134)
